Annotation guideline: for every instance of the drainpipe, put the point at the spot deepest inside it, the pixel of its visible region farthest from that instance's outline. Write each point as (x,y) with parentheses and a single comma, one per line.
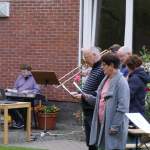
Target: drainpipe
(80,33)
(128,39)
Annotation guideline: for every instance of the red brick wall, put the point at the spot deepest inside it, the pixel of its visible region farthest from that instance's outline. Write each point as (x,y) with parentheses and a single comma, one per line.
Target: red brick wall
(43,33)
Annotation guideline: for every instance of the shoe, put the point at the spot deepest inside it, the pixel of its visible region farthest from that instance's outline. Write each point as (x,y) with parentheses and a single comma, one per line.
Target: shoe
(17,125)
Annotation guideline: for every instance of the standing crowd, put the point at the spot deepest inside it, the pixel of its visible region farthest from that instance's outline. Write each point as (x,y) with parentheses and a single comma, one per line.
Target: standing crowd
(115,86)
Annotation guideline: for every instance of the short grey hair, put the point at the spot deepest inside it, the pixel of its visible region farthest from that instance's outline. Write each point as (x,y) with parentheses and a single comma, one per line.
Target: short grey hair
(96,50)
(124,49)
(92,50)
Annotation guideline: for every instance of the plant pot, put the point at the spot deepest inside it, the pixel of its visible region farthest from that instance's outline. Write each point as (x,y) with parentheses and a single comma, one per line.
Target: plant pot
(50,120)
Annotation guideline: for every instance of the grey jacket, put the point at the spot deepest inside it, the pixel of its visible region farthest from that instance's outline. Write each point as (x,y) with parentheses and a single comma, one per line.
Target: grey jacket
(117,104)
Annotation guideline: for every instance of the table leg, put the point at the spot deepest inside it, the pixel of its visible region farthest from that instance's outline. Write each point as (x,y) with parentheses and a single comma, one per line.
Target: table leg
(28,123)
(146,146)
(136,142)
(34,113)
(5,137)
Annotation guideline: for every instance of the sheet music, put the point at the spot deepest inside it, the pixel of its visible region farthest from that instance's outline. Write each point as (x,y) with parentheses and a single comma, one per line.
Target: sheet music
(139,121)
(76,85)
(12,90)
(15,93)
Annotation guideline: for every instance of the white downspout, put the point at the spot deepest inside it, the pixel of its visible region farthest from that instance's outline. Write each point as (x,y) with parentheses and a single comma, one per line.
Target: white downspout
(128,39)
(87,23)
(80,34)
(94,23)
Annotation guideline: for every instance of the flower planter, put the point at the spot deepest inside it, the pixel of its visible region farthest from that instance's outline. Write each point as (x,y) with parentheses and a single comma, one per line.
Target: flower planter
(50,120)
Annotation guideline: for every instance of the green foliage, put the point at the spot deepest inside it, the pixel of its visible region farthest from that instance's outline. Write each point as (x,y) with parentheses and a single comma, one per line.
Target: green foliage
(47,109)
(50,109)
(147,106)
(145,54)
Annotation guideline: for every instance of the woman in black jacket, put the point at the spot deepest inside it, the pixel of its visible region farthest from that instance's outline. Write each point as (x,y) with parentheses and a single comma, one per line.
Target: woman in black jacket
(137,80)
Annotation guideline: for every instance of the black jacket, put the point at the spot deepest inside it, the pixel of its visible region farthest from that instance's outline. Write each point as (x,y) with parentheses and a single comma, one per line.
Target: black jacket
(137,82)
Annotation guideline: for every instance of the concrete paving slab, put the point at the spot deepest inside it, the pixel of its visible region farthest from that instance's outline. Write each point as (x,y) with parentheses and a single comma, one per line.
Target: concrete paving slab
(64,137)
(56,145)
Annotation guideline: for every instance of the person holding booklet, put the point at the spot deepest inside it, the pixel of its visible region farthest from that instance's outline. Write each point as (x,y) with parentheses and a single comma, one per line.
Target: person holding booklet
(110,125)
(92,58)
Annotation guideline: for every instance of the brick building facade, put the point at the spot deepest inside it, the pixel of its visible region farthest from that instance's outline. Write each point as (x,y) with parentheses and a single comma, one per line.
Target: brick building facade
(43,33)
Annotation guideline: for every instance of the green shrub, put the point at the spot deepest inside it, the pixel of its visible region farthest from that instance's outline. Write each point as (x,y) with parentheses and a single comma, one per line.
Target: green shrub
(145,55)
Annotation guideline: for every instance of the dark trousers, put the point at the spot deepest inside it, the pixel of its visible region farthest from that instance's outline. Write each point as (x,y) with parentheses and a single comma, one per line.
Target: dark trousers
(18,115)
(92,147)
(87,123)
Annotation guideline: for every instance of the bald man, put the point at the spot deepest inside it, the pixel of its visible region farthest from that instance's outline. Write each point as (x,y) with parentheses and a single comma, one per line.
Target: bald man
(123,53)
(92,58)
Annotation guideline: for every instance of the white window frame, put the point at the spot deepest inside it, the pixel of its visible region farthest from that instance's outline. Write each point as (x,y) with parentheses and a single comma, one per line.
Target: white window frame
(128,37)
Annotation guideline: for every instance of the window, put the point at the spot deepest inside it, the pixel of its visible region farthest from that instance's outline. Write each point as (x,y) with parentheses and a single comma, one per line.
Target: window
(141,27)
(110,23)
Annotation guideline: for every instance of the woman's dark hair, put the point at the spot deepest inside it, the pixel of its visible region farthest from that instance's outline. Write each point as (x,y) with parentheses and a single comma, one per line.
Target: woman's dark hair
(110,58)
(25,67)
(133,62)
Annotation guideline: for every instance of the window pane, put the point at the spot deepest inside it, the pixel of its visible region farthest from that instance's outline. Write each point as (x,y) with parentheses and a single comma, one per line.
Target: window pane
(110,23)
(141,32)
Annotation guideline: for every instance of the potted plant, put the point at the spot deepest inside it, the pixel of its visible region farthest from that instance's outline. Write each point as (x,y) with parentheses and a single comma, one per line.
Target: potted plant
(46,116)
(145,55)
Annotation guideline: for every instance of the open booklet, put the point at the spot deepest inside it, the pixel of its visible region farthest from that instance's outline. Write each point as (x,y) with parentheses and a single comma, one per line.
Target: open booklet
(64,87)
(72,93)
(139,121)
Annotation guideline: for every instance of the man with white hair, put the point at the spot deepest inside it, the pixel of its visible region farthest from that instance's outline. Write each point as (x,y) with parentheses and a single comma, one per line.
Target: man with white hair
(92,58)
(123,53)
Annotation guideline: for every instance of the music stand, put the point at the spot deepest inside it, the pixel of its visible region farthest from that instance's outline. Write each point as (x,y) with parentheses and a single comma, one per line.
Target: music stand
(45,78)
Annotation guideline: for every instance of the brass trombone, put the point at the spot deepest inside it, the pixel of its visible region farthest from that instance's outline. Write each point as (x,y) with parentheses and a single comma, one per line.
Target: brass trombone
(75,69)
(63,77)
(105,52)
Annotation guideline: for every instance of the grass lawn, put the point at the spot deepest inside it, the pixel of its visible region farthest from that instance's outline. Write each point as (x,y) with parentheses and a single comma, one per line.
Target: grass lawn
(17,148)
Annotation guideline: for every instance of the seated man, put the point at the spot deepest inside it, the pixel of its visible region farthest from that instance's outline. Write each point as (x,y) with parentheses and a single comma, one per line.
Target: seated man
(25,83)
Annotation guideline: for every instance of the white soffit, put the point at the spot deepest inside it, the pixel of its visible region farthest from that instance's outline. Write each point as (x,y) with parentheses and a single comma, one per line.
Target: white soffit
(4,9)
